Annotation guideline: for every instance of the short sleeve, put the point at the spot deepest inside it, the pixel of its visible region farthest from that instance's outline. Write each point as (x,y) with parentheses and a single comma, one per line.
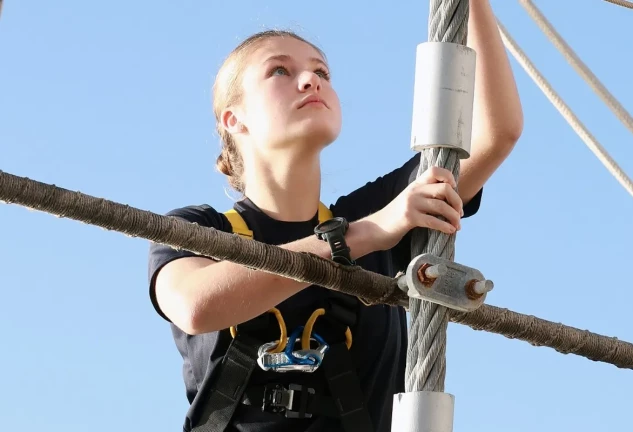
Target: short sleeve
(160,255)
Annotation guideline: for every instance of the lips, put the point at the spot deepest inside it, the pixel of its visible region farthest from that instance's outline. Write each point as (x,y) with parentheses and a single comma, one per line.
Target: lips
(312,100)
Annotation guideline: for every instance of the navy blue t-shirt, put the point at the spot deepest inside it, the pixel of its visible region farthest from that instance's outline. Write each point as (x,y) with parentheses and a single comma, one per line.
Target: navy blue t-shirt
(379,336)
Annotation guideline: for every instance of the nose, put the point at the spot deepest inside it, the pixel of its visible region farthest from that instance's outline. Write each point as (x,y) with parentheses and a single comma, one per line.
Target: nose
(309,81)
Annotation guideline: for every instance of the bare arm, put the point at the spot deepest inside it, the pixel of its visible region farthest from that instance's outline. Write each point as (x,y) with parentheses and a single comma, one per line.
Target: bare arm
(200,295)
(497,112)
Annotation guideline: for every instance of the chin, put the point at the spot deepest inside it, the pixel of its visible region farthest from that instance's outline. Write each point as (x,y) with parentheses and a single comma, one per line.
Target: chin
(318,139)
(317,134)
(313,133)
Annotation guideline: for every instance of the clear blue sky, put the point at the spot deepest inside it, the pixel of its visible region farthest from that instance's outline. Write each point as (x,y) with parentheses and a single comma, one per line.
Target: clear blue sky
(113,99)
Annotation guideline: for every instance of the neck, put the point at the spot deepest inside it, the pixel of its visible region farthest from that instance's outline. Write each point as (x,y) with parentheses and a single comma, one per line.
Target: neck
(284,187)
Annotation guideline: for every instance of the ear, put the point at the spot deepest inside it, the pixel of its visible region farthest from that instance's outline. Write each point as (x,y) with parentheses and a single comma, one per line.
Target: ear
(231,122)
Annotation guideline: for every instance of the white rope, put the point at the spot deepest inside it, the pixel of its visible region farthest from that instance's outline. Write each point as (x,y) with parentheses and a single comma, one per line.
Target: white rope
(426,353)
(565,111)
(623,3)
(578,64)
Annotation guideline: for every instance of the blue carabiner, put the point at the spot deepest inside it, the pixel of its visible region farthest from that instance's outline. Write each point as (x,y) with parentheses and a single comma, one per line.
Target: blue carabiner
(311,360)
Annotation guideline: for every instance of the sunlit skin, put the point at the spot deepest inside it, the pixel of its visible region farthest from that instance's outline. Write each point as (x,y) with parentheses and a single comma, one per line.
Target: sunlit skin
(288,114)
(282,75)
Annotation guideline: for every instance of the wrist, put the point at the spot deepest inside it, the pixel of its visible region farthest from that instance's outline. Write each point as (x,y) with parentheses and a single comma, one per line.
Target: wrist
(333,231)
(383,232)
(361,238)
(364,237)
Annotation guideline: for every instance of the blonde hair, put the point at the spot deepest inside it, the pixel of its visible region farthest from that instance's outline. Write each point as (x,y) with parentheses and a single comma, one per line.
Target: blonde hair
(227,92)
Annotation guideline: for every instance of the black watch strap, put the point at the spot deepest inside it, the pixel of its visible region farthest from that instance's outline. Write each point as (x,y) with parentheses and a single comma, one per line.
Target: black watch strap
(333,231)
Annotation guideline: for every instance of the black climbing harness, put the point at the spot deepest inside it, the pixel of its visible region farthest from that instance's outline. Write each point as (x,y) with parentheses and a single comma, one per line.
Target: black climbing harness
(231,384)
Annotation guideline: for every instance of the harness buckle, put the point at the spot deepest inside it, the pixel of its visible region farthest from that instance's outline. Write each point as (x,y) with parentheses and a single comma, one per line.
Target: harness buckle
(280,399)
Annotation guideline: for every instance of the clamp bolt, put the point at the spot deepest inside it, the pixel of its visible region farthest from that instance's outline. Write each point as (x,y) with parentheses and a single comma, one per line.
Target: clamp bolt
(427,273)
(475,288)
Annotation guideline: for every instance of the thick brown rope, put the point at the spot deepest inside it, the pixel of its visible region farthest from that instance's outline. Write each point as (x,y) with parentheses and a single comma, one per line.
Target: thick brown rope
(303,267)
(177,233)
(540,332)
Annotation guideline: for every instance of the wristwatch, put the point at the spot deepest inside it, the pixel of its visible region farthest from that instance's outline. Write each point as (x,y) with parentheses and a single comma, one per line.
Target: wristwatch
(333,231)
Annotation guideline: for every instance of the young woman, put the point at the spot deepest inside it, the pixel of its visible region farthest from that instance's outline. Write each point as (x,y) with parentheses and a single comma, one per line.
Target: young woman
(276,110)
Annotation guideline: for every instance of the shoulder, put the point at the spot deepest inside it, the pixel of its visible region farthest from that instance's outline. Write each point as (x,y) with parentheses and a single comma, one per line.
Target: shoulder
(160,255)
(202,214)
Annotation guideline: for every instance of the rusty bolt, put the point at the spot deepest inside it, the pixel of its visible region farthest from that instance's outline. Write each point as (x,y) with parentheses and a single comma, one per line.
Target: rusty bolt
(428,273)
(475,289)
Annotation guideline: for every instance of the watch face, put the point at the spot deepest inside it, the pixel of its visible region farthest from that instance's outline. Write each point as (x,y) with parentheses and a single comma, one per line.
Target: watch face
(329,225)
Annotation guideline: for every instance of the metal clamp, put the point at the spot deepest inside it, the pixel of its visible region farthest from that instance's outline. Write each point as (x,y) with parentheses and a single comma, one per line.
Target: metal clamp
(445,282)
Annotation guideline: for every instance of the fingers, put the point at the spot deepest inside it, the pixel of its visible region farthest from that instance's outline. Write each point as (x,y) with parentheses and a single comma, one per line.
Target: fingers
(439,207)
(438,199)
(437,175)
(431,222)
(441,191)
(434,197)
(445,192)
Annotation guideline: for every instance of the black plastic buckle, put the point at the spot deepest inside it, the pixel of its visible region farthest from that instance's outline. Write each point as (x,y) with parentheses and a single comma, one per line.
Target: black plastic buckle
(278,399)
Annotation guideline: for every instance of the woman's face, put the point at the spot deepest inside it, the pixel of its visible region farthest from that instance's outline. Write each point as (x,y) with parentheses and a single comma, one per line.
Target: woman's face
(287,98)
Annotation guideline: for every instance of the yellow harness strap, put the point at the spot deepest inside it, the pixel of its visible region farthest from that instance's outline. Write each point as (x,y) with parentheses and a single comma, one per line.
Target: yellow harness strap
(240,228)
(238,224)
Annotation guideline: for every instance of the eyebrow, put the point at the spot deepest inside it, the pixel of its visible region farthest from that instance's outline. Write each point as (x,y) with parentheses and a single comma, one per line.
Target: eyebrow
(285,57)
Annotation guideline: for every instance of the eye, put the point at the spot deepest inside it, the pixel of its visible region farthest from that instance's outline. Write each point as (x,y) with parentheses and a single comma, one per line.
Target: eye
(323,73)
(281,70)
